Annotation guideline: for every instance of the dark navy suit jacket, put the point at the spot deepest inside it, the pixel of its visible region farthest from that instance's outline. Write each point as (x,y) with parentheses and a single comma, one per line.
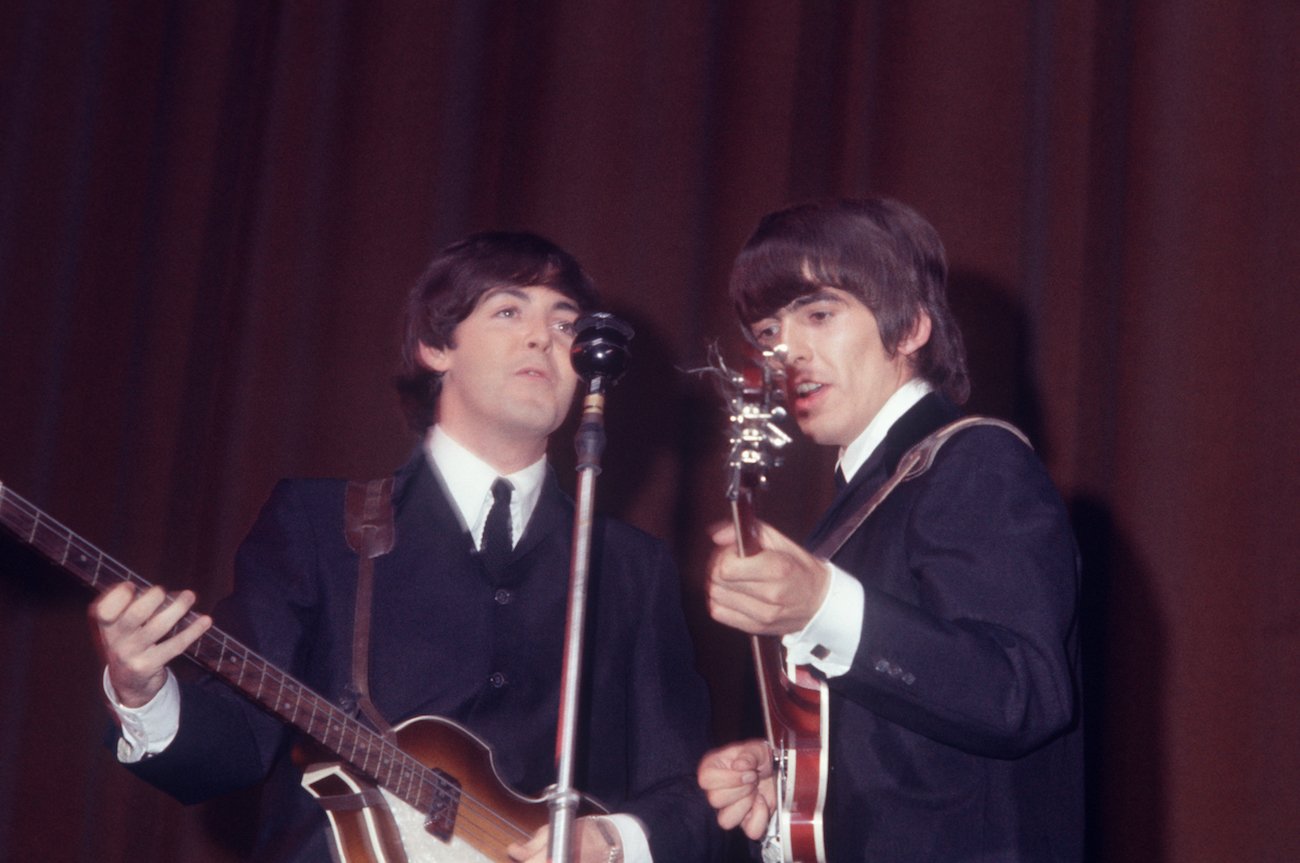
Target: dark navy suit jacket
(955,735)
(449,642)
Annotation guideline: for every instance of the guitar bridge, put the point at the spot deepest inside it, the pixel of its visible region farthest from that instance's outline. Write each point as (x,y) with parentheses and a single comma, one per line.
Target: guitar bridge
(440,821)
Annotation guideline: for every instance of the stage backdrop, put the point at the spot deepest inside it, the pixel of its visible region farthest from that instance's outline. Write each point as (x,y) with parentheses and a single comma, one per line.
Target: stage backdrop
(210,213)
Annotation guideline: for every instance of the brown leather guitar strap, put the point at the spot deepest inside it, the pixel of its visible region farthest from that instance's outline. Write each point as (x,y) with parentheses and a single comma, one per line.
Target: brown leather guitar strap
(914,462)
(368,526)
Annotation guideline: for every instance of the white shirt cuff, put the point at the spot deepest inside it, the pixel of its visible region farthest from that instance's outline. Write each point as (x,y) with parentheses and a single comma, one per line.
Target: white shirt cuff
(830,640)
(150,728)
(631,832)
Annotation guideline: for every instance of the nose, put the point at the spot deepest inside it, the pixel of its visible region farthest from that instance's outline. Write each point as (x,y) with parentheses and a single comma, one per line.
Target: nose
(793,349)
(539,334)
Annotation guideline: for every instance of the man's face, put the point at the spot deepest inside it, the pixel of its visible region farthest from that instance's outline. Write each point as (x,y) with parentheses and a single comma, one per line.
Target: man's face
(839,374)
(508,379)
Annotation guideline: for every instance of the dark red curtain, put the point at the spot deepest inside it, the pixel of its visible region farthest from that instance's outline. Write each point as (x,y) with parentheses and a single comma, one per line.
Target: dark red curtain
(210,212)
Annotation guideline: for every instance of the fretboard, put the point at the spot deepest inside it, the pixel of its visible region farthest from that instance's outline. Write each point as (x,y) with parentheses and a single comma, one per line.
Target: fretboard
(367,751)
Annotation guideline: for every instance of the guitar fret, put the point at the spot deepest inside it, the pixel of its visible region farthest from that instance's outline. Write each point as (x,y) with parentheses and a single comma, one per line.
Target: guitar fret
(367,753)
(44,538)
(407,777)
(395,773)
(383,769)
(279,693)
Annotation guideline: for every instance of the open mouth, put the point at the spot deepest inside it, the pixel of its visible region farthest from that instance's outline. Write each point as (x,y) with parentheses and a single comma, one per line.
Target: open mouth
(806,389)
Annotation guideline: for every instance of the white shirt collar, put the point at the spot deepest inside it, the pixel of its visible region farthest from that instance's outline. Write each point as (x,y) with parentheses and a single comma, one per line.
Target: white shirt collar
(468,480)
(856,454)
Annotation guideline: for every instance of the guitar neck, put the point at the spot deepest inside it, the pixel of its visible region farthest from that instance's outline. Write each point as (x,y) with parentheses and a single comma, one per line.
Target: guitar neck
(744,522)
(261,681)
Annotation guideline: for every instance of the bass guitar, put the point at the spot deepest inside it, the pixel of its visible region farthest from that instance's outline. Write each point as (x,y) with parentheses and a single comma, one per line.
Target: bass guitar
(795,703)
(427,793)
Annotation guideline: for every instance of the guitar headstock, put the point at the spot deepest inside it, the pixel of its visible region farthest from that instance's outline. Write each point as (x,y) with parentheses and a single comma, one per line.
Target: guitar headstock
(755,399)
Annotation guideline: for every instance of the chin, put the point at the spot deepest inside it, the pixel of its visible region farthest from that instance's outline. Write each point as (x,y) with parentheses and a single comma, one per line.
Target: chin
(821,435)
(540,424)
(810,429)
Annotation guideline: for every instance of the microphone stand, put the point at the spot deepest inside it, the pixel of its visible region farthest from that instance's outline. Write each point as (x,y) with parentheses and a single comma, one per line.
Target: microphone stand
(599,356)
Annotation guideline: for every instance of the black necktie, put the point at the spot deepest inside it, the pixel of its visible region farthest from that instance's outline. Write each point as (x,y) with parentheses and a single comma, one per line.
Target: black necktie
(840,481)
(496,530)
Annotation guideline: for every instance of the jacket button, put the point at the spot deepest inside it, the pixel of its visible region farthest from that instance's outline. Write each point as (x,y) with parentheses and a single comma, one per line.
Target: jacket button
(503,596)
(497,680)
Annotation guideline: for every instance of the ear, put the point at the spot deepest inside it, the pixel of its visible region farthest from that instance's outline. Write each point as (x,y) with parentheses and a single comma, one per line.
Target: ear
(434,359)
(917,338)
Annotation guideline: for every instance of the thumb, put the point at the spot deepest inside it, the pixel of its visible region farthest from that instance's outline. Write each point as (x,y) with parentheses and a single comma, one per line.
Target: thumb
(773,540)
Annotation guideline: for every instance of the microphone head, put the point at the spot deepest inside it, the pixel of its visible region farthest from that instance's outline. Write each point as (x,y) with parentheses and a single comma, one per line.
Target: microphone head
(599,351)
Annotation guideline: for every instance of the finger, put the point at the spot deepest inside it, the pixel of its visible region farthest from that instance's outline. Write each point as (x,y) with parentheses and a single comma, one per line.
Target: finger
(773,539)
(740,610)
(167,616)
(767,791)
(722,533)
(530,851)
(142,608)
(754,824)
(745,768)
(722,779)
(728,798)
(738,812)
(760,573)
(168,649)
(109,606)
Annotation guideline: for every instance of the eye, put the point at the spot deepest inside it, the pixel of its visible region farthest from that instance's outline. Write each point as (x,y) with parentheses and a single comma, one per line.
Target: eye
(509,311)
(565,327)
(767,333)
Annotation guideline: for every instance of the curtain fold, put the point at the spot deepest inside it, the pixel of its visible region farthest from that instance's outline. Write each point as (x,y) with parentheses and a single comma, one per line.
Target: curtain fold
(210,215)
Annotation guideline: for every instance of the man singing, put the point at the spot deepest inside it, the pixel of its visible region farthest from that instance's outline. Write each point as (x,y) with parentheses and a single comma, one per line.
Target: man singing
(945,625)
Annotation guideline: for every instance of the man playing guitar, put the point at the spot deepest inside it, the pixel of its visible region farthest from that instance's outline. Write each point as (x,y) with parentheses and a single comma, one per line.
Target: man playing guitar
(943,624)
(462,626)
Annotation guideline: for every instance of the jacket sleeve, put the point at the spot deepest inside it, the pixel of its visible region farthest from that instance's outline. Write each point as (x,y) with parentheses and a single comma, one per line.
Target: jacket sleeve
(224,742)
(669,716)
(970,637)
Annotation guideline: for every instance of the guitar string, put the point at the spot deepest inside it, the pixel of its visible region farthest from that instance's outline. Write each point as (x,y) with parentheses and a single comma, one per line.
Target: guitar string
(487,824)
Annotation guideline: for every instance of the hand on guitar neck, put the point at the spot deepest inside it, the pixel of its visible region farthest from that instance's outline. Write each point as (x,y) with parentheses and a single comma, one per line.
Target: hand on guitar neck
(135,638)
(774,590)
(762,583)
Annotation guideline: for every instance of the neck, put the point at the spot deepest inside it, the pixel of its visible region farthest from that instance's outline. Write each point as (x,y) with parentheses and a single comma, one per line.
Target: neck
(505,453)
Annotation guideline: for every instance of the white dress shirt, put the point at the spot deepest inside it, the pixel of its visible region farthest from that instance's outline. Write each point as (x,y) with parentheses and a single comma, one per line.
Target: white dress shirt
(830,639)
(467,481)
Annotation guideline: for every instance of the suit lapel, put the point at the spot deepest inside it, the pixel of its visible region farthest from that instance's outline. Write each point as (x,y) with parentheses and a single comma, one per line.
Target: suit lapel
(429,532)
(552,513)
(932,412)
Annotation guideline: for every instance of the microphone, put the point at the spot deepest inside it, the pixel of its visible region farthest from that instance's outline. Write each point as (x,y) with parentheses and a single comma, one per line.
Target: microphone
(599,353)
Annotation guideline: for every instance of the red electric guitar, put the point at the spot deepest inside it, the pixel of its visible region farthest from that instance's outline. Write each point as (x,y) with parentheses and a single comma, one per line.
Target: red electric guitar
(795,704)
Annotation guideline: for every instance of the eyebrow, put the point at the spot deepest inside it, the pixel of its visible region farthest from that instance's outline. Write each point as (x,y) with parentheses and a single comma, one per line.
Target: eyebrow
(564,304)
(822,295)
(817,296)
